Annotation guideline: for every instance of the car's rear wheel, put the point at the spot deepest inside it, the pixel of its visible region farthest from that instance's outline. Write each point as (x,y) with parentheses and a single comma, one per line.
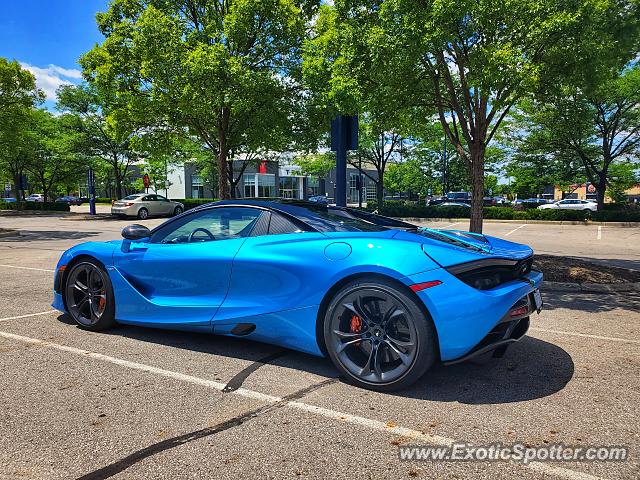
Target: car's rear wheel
(177,211)
(378,336)
(143,213)
(89,296)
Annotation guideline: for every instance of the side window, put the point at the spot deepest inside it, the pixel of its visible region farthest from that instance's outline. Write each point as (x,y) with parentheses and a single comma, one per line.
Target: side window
(209,225)
(280,224)
(160,198)
(149,198)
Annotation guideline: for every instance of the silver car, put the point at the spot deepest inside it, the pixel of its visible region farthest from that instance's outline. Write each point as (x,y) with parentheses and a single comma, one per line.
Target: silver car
(144,205)
(571,204)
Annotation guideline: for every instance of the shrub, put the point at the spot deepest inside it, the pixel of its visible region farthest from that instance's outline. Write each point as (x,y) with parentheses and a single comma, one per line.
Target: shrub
(394,209)
(45,206)
(190,203)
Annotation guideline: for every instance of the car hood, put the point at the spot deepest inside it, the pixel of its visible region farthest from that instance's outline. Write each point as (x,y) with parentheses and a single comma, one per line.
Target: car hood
(452,247)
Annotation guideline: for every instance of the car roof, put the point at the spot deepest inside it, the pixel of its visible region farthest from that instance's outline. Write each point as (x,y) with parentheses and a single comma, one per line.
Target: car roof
(313,214)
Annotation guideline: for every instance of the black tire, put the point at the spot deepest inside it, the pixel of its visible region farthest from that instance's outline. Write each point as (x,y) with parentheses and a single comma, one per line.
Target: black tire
(177,211)
(143,213)
(394,341)
(88,296)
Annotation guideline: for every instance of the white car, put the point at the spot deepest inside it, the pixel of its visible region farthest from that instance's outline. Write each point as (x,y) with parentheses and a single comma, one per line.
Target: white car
(143,206)
(35,197)
(572,204)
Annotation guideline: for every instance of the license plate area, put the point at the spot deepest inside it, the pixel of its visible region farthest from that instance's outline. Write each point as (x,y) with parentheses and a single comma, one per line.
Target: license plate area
(537,299)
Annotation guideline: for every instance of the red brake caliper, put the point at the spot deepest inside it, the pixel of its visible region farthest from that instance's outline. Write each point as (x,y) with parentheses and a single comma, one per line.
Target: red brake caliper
(356,327)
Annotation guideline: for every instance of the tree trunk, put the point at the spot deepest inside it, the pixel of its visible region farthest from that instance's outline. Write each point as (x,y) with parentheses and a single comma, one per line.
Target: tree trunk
(16,186)
(477,193)
(601,188)
(380,190)
(118,184)
(223,155)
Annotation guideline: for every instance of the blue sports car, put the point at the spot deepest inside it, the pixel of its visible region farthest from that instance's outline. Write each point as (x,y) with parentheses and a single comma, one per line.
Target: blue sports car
(383,299)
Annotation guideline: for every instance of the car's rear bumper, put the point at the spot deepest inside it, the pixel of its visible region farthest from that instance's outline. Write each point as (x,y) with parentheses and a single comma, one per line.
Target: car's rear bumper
(466,318)
(124,211)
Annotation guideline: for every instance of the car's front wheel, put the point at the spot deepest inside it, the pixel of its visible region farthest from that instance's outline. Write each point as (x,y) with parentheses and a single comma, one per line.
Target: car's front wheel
(89,296)
(378,336)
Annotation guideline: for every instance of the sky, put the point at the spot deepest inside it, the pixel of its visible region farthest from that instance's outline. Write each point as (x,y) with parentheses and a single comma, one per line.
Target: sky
(48,36)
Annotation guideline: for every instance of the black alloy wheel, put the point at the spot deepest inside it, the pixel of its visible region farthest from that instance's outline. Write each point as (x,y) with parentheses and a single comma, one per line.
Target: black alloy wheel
(378,335)
(89,296)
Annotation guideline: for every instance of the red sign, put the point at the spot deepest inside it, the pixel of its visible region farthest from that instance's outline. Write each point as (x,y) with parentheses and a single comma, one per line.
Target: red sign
(263,167)
(591,188)
(145,180)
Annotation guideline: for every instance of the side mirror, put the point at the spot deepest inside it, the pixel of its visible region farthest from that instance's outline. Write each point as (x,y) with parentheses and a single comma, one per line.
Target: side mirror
(135,232)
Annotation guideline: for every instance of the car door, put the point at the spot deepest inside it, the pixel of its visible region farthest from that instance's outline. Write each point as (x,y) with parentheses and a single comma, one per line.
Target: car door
(181,274)
(164,205)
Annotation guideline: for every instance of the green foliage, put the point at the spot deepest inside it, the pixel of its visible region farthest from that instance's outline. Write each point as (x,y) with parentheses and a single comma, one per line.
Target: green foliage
(584,130)
(226,70)
(18,96)
(45,206)
(400,209)
(316,165)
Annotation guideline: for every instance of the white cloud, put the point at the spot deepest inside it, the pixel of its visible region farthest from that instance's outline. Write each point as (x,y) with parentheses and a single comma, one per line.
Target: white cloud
(51,77)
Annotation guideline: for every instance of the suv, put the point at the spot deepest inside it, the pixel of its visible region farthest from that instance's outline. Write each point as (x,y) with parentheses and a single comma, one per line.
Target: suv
(35,197)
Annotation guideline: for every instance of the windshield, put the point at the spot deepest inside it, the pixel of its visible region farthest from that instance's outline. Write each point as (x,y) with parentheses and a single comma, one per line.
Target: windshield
(132,197)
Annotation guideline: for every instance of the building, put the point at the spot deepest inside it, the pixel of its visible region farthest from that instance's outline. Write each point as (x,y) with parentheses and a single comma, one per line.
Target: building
(270,180)
(586,191)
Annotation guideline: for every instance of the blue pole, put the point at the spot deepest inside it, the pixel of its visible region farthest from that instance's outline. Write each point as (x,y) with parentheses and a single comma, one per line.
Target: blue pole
(92,192)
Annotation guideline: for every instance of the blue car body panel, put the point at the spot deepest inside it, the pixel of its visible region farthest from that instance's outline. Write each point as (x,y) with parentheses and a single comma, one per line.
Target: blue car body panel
(278,282)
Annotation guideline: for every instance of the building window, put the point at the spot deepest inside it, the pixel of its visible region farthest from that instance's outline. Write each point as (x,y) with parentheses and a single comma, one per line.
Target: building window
(197,188)
(266,185)
(371,191)
(353,187)
(249,185)
(289,187)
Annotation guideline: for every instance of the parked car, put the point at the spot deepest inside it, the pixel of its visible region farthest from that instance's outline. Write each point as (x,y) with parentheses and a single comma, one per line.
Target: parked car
(69,200)
(8,200)
(322,199)
(459,196)
(145,205)
(453,204)
(502,201)
(35,197)
(432,201)
(307,277)
(572,204)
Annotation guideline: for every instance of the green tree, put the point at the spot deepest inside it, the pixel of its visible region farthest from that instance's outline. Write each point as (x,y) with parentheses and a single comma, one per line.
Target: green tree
(470,61)
(594,125)
(50,158)
(109,131)
(225,69)
(316,165)
(18,96)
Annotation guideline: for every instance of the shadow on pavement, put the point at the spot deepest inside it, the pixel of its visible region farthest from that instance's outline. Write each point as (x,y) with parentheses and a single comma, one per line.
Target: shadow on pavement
(530,369)
(38,235)
(591,302)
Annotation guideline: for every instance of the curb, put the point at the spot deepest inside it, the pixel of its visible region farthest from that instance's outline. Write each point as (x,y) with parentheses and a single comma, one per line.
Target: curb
(612,288)
(528,222)
(6,232)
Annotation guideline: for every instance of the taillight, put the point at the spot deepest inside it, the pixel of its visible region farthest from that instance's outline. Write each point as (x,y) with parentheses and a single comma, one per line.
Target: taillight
(128,204)
(519,311)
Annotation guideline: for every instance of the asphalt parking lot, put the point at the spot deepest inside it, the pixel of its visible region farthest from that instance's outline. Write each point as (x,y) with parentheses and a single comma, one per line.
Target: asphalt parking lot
(139,403)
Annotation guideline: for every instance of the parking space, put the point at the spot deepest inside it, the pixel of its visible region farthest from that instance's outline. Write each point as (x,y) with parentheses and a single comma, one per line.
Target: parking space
(140,403)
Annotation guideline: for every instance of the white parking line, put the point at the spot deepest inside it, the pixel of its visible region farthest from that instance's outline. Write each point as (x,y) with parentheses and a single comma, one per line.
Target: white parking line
(515,230)
(451,225)
(599,232)
(305,407)
(585,335)
(27,316)
(28,268)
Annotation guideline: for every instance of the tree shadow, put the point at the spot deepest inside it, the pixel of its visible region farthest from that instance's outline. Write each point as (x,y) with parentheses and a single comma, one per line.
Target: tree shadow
(39,235)
(530,369)
(590,302)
